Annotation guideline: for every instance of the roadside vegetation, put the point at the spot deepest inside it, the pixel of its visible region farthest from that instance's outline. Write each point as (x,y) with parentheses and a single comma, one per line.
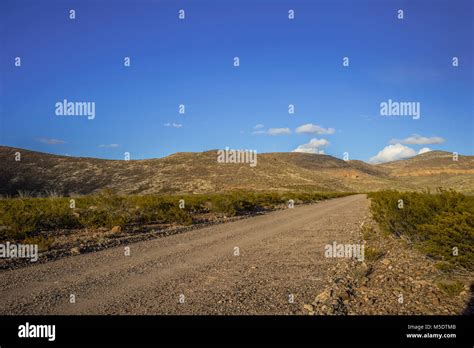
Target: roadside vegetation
(439,224)
(24,217)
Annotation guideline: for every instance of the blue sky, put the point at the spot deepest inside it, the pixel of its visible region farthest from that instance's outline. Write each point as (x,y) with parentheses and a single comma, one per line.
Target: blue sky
(282,62)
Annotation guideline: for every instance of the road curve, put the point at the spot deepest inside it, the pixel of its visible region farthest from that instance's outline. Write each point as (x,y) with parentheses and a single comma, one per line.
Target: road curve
(281,256)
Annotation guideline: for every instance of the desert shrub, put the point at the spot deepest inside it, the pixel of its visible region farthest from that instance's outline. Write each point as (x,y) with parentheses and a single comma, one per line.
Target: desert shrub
(25,217)
(53,213)
(44,244)
(435,223)
(158,209)
(446,231)
(452,288)
(372,254)
(444,266)
(234,204)
(103,210)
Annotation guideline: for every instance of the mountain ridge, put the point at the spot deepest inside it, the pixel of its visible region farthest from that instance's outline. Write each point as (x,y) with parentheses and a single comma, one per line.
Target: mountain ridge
(199,172)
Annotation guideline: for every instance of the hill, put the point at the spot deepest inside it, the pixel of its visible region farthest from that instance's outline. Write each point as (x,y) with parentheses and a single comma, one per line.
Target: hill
(201,173)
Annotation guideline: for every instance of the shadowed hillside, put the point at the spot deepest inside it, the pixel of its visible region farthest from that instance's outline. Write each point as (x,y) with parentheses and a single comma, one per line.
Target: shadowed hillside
(201,173)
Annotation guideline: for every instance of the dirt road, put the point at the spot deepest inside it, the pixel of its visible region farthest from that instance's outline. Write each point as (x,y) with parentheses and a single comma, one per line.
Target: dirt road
(280,257)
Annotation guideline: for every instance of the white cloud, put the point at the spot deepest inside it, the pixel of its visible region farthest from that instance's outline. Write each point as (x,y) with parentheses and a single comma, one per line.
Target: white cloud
(50,141)
(175,125)
(310,128)
(278,131)
(424,150)
(108,146)
(313,146)
(271,131)
(393,153)
(416,139)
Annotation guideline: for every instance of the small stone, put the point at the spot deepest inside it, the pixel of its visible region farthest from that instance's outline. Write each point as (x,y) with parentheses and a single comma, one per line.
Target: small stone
(386,262)
(345,295)
(75,251)
(322,297)
(308,307)
(116,229)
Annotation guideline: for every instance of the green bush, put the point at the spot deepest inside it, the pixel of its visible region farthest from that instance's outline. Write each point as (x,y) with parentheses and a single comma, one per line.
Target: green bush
(436,223)
(451,288)
(372,254)
(21,216)
(25,217)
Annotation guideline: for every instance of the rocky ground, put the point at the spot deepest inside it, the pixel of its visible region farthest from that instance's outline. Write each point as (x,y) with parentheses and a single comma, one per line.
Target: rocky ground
(395,278)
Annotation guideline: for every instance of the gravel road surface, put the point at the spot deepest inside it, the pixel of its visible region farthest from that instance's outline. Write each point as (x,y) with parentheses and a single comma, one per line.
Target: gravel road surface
(280,266)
